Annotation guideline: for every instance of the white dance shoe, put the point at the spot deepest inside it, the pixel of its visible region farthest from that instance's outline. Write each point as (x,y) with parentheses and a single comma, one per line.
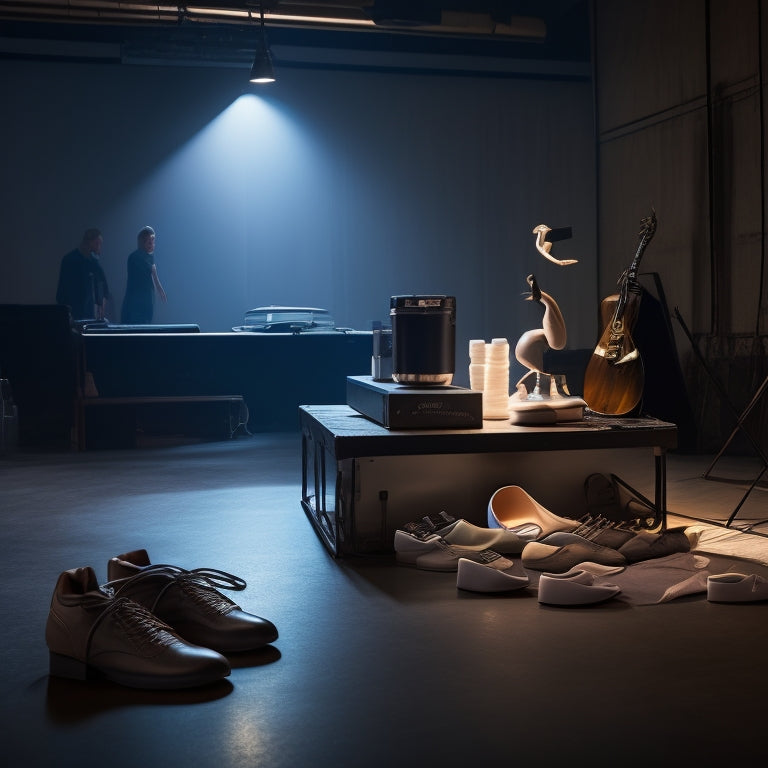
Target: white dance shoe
(576,587)
(493,574)
(512,508)
(736,588)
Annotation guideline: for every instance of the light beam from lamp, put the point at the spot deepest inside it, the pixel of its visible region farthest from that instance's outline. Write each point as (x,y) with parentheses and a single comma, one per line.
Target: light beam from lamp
(262,70)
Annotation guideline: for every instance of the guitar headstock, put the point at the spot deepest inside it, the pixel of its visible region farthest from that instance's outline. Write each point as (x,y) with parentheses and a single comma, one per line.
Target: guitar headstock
(648,227)
(628,278)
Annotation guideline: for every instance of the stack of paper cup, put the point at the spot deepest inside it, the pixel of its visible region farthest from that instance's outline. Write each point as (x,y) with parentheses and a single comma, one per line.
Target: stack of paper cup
(496,385)
(477,364)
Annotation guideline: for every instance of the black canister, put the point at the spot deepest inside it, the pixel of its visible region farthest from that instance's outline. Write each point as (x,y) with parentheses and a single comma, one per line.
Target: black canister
(423,339)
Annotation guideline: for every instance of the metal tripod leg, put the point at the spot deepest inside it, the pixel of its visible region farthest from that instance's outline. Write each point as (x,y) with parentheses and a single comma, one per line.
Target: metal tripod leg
(723,394)
(740,425)
(744,497)
(740,419)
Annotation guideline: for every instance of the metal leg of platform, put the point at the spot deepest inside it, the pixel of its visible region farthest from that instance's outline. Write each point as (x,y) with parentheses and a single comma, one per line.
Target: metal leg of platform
(660,460)
(659,504)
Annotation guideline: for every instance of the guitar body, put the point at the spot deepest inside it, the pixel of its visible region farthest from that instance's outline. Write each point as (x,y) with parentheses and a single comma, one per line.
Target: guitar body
(614,379)
(607,308)
(613,391)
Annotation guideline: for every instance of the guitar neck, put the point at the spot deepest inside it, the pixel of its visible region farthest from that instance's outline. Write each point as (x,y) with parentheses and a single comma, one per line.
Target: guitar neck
(629,280)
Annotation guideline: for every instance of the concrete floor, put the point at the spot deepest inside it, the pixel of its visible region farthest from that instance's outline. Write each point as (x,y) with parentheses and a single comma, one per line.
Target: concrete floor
(377,664)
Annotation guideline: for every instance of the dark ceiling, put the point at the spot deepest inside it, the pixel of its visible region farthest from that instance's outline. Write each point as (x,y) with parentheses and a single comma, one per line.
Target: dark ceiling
(225,32)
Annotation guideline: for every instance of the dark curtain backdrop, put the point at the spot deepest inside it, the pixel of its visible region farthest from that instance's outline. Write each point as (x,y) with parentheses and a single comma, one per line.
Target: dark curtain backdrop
(332,189)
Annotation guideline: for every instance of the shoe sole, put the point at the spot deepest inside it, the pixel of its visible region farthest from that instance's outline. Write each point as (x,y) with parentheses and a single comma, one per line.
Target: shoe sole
(67,667)
(447,567)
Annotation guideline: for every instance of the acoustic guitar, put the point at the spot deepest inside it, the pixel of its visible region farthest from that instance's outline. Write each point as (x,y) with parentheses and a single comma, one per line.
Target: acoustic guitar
(614,378)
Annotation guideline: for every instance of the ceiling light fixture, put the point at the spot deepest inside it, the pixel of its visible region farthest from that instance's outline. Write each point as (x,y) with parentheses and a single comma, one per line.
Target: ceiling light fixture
(262,70)
(205,13)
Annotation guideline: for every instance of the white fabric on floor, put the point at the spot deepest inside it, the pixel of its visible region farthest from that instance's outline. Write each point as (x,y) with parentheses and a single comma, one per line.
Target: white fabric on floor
(716,540)
(661,579)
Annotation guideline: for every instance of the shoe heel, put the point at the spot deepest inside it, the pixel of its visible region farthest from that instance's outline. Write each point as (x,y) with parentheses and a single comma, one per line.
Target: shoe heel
(65,666)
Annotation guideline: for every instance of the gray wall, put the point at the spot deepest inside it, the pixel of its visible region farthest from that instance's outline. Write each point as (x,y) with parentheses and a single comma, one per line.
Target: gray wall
(339,189)
(330,188)
(680,126)
(680,121)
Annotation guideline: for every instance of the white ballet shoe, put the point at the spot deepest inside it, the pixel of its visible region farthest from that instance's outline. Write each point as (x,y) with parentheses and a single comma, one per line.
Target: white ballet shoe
(462,533)
(496,575)
(736,588)
(577,587)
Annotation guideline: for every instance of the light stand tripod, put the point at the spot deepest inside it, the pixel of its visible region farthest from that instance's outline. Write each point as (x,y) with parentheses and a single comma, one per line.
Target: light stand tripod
(758,449)
(740,425)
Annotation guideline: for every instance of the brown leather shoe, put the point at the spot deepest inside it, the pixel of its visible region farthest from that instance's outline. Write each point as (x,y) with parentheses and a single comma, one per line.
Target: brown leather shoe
(91,633)
(189,602)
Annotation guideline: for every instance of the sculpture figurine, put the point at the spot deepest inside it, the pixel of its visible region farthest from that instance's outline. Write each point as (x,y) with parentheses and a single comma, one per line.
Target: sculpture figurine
(532,345)
(534,407)
(545,236)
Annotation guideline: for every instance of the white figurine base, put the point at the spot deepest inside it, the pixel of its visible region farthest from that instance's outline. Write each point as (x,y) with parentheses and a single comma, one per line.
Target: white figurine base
(547,410)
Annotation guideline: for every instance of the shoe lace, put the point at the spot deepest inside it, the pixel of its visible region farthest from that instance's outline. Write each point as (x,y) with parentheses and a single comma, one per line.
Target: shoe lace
(428,525)
(592,525)
(142,628)
(199,584)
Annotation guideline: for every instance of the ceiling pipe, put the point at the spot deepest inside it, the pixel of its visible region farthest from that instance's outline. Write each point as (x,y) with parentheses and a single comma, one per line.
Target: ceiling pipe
(361,15)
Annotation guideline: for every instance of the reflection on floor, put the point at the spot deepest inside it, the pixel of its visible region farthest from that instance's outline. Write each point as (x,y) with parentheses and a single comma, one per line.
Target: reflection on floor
(377,664)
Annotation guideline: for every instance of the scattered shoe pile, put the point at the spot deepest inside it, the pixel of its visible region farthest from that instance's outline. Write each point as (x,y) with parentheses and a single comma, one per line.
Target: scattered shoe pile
(575,558)
(572,556)
(442,543)
(559,552)
(437,542)
(150,626)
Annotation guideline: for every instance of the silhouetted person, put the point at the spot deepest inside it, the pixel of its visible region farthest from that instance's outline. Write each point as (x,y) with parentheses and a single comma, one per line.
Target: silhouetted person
(82,283)
(139,301)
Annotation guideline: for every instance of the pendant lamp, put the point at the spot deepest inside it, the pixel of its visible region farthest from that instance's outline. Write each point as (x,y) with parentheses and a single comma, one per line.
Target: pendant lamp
(262,70)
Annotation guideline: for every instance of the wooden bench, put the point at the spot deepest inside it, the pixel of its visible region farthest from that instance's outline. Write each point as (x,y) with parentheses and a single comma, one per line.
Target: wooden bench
(134,414)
